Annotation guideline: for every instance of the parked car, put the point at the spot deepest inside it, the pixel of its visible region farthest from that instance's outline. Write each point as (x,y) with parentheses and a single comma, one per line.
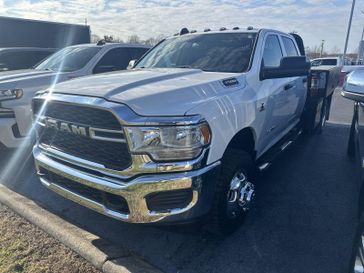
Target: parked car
(22,57)
(17,88)
(331,61)
(353,89)
(179,137)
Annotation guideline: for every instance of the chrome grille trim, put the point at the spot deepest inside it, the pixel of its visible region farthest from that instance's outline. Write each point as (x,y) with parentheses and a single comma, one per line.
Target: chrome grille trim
(93,132)
(141,164)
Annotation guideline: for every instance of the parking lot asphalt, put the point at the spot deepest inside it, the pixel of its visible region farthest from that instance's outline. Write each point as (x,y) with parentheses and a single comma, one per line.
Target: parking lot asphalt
(303,219)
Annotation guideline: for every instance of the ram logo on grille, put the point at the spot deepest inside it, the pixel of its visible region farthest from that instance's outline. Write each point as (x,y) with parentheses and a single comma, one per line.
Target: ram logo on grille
(65,127)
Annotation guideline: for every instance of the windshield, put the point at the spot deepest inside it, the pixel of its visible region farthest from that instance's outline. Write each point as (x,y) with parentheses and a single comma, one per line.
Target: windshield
(216,52)
(69,59)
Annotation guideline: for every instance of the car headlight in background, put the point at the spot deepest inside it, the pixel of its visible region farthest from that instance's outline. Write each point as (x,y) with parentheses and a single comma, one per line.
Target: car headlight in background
(169,142)
(10,94)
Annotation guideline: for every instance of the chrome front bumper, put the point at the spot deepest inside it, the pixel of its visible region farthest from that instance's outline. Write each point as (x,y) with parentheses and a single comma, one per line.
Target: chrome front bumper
(133,191)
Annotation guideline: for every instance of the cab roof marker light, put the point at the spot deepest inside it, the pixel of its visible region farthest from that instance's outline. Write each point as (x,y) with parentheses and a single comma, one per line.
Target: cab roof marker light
(207,29)
(184,31)
(223,28)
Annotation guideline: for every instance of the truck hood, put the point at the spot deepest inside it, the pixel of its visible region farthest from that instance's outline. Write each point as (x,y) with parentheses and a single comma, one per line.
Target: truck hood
(155,92)
(32,80)
(22,74)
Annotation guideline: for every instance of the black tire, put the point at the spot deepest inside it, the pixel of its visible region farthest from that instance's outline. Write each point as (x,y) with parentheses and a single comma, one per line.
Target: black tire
(233,162)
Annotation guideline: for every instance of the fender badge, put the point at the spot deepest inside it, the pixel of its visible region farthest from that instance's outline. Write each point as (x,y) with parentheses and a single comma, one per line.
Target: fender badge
(230,82)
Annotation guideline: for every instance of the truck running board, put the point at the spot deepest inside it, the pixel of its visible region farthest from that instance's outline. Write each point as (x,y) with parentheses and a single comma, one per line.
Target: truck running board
(267,159)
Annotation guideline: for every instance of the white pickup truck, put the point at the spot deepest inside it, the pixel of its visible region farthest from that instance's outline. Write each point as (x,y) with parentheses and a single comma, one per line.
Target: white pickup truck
(177,138)
(18,87)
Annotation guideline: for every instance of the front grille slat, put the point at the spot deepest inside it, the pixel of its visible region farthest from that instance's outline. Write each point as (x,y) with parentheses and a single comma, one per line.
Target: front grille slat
(113,155)
(93,117)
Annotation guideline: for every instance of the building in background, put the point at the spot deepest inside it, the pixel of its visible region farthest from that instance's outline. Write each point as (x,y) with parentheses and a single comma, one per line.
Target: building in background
(18,32)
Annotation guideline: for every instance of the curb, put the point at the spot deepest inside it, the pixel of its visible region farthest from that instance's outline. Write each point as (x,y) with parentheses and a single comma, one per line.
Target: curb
(108,260)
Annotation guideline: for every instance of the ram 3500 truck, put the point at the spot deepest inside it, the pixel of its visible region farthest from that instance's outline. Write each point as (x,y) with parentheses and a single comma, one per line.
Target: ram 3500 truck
(178,137)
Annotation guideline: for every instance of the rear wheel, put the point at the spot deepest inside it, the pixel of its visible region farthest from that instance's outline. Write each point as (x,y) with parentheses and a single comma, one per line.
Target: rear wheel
(234,192)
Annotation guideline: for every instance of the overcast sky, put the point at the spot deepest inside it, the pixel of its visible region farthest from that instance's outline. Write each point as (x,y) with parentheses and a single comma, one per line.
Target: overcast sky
(315,20)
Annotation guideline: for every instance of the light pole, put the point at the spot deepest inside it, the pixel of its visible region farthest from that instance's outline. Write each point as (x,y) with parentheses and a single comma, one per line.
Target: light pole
(348,32)
(362,34)
(322,47)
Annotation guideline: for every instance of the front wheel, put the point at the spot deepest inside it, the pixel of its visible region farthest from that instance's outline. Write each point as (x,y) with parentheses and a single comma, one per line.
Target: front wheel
(234,192)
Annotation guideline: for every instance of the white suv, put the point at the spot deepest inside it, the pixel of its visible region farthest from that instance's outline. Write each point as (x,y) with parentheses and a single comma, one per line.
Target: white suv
(18,87)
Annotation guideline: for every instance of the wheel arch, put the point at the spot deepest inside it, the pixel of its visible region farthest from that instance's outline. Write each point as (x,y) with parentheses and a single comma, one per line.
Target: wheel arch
(244,140)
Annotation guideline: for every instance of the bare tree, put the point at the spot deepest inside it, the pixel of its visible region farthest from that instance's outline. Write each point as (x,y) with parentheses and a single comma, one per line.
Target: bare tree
(153,40)
(95,38)
(134,39)
(335,51)
(109,39)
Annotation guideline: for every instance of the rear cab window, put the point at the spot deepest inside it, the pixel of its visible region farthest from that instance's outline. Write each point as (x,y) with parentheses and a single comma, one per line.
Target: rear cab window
(289,46)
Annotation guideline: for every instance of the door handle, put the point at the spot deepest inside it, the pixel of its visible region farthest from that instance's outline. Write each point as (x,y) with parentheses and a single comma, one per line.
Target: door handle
(288,86)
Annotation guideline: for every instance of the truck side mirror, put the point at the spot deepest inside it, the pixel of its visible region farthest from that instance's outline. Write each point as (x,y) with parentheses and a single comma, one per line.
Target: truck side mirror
(131,64)
(353,87)
(289,67)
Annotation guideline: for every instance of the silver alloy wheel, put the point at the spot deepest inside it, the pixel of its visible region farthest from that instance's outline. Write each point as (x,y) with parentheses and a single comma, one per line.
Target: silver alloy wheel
(240,195)
(359,260)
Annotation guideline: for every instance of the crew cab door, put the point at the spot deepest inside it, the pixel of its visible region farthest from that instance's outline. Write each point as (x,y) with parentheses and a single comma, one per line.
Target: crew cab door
(277,109)
(283,98)
(296,94)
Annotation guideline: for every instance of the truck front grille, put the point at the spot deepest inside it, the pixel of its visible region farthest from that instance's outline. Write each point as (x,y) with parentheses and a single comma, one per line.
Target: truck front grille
(112,155)
(93,117)
(109,200)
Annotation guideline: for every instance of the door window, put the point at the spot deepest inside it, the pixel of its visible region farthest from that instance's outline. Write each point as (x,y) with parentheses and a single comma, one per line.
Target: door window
(290,47)
(136,53)
(272,54)
(115,59)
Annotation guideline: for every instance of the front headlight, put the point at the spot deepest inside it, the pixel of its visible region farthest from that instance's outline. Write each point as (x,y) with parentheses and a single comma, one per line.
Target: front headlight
(10,94)
(170,142)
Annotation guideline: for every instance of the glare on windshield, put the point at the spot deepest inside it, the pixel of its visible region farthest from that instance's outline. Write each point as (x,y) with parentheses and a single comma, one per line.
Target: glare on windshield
(68,59)
(217,52)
